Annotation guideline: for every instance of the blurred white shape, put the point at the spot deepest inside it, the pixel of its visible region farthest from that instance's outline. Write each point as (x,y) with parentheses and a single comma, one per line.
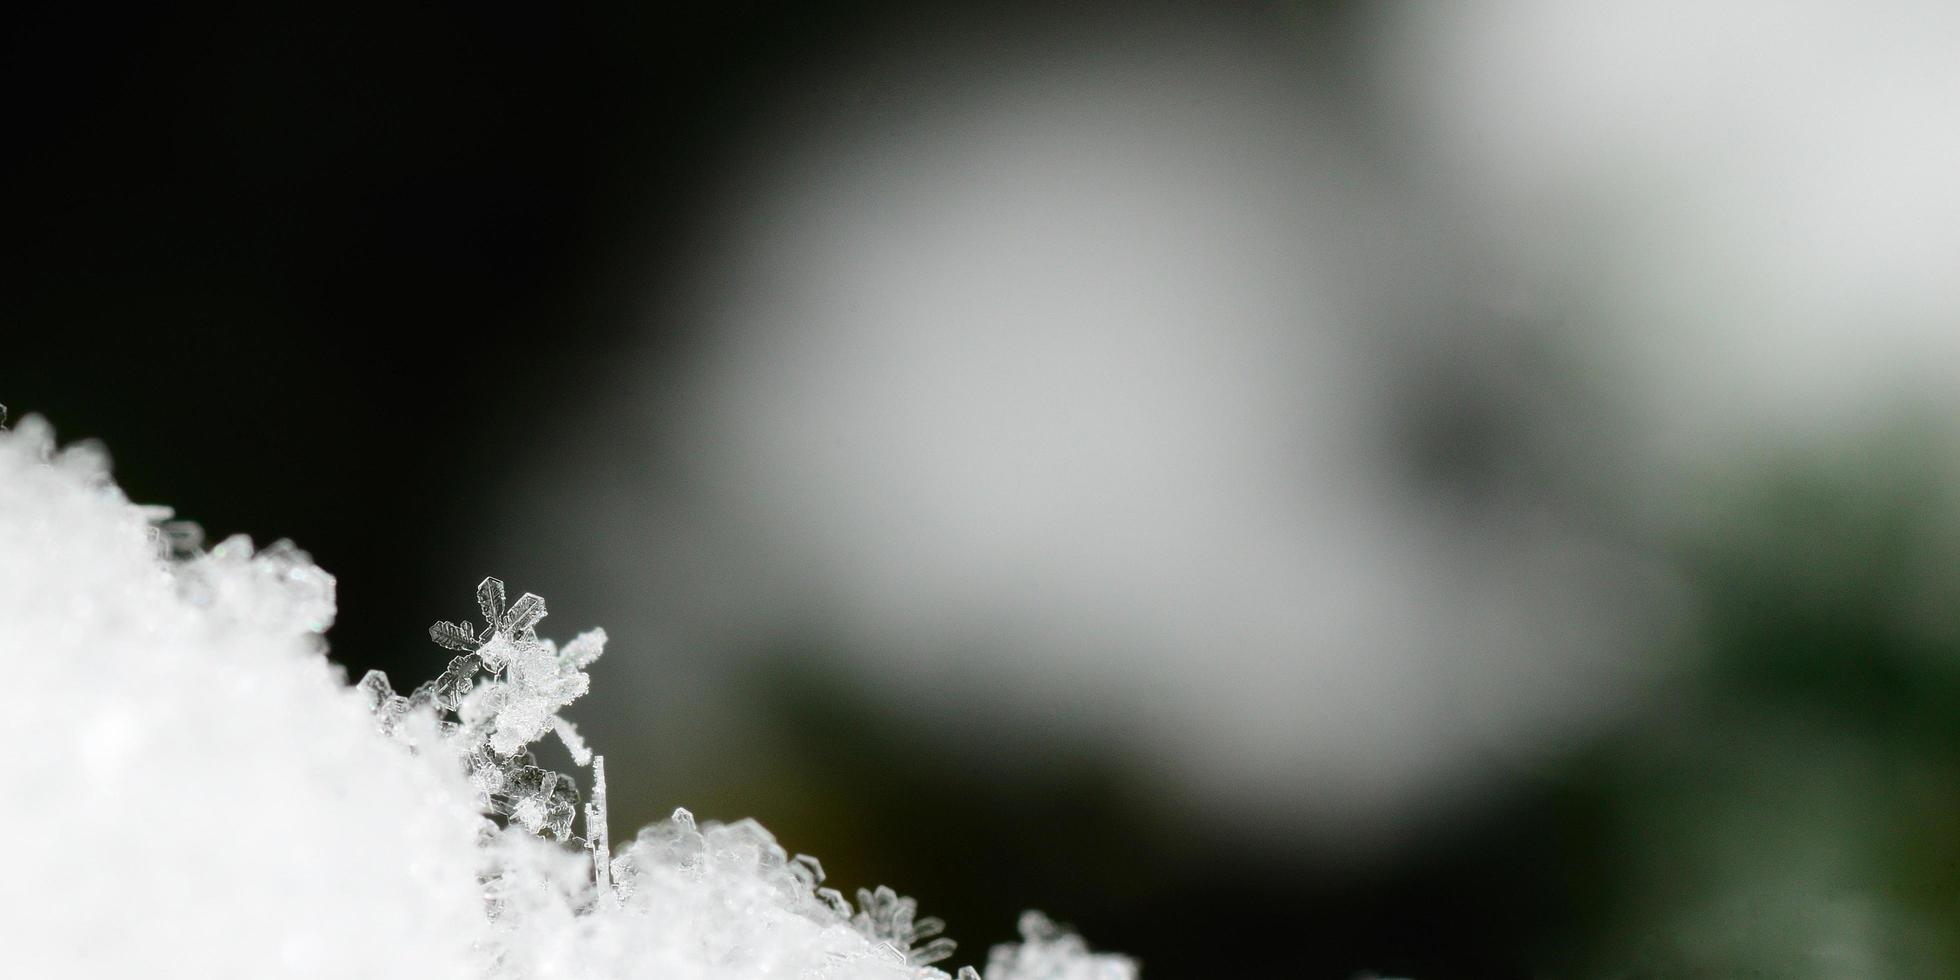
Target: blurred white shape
(1071,406)
(1754,199)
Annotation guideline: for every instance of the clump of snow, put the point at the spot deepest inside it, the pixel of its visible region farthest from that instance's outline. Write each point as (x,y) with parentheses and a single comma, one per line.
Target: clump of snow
(198,793)
(203,794)
(1052,953)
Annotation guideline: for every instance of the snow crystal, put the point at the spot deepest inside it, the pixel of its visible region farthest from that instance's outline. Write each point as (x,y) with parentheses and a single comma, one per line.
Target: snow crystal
(888,917)
(245,813)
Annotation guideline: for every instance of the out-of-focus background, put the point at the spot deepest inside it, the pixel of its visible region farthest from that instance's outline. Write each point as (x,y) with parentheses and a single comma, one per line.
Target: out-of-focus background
(1456,489)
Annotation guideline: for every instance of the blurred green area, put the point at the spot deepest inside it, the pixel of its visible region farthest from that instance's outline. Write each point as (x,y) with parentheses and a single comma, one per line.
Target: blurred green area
(1791,808)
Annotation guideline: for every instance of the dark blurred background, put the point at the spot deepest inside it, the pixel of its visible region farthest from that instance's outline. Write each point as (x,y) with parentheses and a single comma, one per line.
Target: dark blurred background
(425,288)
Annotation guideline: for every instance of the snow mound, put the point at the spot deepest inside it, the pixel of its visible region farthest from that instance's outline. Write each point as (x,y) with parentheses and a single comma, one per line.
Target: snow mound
(202,794)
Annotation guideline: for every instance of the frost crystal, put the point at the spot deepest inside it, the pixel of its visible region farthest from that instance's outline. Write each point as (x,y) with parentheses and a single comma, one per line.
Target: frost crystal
(887,917)
(249,815)
(491,724)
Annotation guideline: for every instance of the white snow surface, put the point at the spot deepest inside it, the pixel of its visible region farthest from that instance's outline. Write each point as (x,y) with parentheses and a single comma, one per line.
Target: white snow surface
(196,791)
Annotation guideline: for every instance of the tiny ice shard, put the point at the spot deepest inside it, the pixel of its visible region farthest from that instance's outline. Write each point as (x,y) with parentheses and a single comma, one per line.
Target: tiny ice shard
(524,614)
(455,682)
(573,743)
(539,800)
(389,708)
(455,636)
(886,916)
(596,838)
(490,599)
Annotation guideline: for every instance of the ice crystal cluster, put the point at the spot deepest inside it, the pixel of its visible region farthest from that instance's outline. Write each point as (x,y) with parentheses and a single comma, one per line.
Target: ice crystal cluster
(196,791)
